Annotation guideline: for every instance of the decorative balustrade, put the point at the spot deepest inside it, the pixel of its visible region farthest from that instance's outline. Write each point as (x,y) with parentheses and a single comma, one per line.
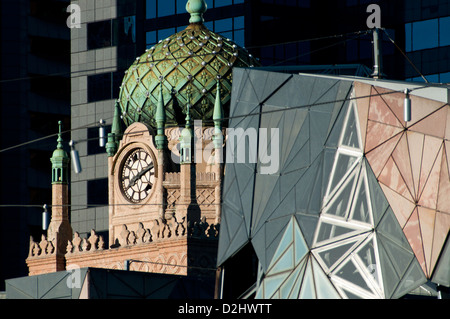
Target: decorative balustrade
(42,248)
(159,230)
(93,243)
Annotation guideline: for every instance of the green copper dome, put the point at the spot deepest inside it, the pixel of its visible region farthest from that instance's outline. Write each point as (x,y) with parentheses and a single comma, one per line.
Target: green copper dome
(188,64)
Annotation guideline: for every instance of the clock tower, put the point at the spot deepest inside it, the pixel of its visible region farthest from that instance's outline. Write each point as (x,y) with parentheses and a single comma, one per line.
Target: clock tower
(172,103)
(165,167)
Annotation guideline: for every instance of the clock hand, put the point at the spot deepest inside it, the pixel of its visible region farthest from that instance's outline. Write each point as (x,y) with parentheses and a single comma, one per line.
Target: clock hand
(140,174)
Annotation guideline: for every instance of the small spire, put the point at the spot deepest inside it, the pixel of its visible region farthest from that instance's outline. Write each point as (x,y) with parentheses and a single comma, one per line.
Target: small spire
(186,139)
(160,118)
(218,109)
(60,140)
(59,161)
(116,126)
(196,8)
(218,118)
(188,116)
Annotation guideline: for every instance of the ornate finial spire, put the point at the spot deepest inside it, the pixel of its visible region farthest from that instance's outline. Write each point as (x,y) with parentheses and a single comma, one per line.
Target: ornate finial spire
(188,116)
(196,8)
(218,109)
(116,132)
(60,161)
(218,117)
(116,127)
(60,140)
(160,118)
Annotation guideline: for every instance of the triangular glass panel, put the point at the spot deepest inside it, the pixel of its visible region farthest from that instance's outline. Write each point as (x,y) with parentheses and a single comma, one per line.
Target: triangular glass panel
(284,262)
(337,127)
(266,186)
(298,275)
(331,232)
(304,187)
(299,158)
(390,228)
(351,273)
(265,83)
(351,134)
(390,277)
(288,285)
(285,242)
(294,135)
(344,165)
(339,205)
(308,224)
(319,123)
(316,197)
(378,200)
(272,284)
(274,231)
(362,210)
(368,254)
(413,278)
(289,95)
(399,257)
(308,290)
(368,258)
(332,255)
(324,287)
(300,246)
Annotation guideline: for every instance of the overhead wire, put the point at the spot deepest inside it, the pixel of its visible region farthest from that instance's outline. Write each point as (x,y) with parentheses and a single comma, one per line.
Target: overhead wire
(225,118)
(174,58)
(405,56)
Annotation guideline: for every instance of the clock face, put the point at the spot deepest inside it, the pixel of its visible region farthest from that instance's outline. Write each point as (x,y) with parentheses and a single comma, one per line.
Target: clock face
(137,175)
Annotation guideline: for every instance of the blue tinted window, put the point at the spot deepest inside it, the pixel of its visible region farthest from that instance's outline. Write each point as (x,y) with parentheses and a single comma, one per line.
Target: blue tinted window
(228,35)
(222,3)
(223,25)
(444,31)
(239,38)
(165,33)
(150,38)
(150,9)
(445,77)
(425,34)
(239,22)
(408,37)
(209,4)
(181,6)
(166,7)
(209,25)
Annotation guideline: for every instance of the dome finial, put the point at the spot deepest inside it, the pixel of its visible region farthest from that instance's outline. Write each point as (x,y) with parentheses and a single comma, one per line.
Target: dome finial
(196,8)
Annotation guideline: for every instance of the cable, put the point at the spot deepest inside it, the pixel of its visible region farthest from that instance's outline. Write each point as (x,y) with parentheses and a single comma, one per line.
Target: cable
(52,135)
(405,55)
(361,33)
(184,57)
(227,118)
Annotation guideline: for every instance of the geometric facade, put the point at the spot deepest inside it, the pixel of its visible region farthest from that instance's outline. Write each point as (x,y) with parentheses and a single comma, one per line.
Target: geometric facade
(354,210)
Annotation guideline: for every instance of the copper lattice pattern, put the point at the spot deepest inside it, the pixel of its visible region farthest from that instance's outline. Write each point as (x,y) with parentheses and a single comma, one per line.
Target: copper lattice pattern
(188,64)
